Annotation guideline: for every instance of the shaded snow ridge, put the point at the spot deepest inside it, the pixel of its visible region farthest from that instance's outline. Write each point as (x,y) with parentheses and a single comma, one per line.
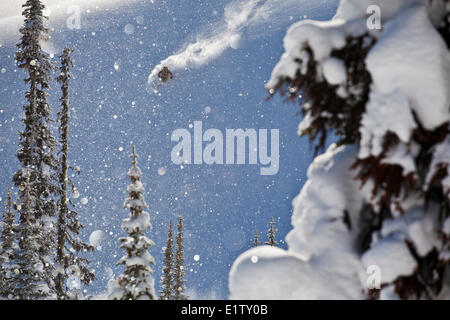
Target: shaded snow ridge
(409,68)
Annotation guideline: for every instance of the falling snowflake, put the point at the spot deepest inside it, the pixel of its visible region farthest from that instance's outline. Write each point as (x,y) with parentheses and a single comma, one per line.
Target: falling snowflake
(96,238)
(129,29)
(75,194)
(162,171)
(140,19)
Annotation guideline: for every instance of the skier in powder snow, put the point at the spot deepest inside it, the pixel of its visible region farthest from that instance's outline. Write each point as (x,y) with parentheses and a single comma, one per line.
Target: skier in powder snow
(165,74)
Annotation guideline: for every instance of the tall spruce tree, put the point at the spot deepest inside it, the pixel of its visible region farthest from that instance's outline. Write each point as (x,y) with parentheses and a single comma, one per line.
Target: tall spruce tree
(7,246)
(271,235)
(136,282)
(38,162)
(167,278)
(178,281)
(69,246)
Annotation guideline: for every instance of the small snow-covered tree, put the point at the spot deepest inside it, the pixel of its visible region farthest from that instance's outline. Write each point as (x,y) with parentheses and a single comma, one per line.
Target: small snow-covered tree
(379,197)
(8,243)
(271,235)
(37,158)
(136,282)
(69,246)
(256,239)
(167,277)
(179,286)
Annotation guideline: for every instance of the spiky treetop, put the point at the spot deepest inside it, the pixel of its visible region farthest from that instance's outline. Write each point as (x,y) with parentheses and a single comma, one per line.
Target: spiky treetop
(256,239)
(167,278)
(37,142)
(271,235)
(68,226)
(136,282)
(179,282)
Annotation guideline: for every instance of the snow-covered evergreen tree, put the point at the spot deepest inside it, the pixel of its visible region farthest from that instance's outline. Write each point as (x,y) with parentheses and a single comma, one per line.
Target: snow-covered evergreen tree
(69,246)
(179,286)
(256,239)
(167,277)
(29,280)
(37,158)
(376,206)
(271,235)
(136,282)
(8,244)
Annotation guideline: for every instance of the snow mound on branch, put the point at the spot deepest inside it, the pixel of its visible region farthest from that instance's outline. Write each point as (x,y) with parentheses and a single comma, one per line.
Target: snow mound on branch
(399,261)
(322,37)
(385,113)
(318,220)
(354,9)
(402,71)
(140,222)
(334,71)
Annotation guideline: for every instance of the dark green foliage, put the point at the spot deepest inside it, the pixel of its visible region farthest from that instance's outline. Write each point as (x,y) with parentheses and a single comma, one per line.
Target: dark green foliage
(167,277)
(8,230)
(179,272)
(69,246)
(328,110)
(271,235)
(37,177)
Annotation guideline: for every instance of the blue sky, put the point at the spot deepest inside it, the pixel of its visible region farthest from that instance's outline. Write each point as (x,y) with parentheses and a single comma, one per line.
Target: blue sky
(117,48)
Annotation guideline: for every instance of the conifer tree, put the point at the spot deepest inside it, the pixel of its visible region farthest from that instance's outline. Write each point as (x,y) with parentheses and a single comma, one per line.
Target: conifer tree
(38,161)
(178,281)
(69,246)
(136,282)
(7,245)
(271,235)
(398,156)
(28,281)
(167,278)
(256,239)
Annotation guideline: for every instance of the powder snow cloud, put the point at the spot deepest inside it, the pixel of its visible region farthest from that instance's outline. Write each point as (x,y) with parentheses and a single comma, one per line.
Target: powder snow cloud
(251,18)
(58,10)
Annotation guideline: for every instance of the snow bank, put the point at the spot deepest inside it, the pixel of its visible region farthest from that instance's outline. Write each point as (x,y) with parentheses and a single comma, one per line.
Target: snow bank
(321,262)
